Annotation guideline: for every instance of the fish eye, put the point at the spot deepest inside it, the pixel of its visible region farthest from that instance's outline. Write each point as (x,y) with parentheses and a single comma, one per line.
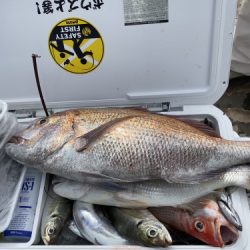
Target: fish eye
(42,121)
(151,233)
(199,226)
(51,230)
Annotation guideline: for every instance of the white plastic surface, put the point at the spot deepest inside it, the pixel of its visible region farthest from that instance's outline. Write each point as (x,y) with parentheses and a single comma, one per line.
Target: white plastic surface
(224,128)
(35,237)
(15,194)
(184,61)
(15,197)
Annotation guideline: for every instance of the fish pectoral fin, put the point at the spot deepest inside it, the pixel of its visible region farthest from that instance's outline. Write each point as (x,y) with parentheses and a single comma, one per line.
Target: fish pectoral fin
(82,142)
(127,198)
(98,178)
(197,178)
(112,186)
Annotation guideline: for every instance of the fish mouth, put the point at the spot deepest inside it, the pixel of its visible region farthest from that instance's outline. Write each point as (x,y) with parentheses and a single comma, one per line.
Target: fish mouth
(168,241)
(45,241)
(164,241)
(48,241)
(228,235)
(17,140)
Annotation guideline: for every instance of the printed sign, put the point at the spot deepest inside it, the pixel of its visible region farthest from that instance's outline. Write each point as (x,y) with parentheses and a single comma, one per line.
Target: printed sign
(76,45)
(50,7)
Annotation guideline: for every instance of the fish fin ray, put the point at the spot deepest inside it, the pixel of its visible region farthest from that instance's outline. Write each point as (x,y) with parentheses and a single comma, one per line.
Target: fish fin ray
(112,186)
(198,178)
(127,198)
(201,126)
(139,108)
(101,179)
(83,142)
(204,127)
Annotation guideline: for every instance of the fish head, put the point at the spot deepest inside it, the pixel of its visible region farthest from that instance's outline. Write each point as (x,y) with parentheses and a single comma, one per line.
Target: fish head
(52,230)
(154,234)
(210,226)
(40,139)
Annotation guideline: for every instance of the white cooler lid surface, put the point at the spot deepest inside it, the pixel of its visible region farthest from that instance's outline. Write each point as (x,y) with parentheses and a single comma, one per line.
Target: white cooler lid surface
(183,61)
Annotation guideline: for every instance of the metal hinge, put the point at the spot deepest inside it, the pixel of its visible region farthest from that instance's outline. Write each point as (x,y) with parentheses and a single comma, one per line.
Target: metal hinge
(162,107)
(158,107)
(165,106)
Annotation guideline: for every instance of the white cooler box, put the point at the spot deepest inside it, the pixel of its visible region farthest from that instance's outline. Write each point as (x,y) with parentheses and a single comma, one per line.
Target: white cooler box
(170,56)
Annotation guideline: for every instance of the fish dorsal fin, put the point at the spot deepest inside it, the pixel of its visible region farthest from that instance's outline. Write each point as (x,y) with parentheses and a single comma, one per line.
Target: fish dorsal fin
(202,126)
(82,142)
(139,108)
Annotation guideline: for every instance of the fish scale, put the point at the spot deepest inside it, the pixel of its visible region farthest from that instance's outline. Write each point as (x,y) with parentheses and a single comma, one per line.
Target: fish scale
(124,145)
(93,225)
(182,156)
(153,193)
(136,224)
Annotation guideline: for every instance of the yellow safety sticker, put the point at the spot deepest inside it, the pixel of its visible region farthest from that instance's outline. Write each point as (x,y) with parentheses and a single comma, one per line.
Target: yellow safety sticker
(76,45)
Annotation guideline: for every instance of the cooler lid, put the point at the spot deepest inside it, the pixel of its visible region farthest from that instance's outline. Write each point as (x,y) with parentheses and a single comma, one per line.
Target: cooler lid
(121,52)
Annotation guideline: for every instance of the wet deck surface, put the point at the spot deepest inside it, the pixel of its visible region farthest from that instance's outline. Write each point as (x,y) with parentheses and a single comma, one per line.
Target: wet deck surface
(236,104)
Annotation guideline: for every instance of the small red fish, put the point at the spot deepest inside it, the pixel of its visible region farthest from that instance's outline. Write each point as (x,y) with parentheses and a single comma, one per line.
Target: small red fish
(202,220)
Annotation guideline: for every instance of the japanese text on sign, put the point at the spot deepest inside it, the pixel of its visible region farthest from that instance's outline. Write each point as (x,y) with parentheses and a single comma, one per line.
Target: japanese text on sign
(50,7)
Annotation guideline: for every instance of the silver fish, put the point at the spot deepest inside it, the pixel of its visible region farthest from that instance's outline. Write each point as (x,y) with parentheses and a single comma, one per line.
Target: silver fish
(140,226)
(148,193)
(124,145)
(55,214)
(226,206)
(94,226)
